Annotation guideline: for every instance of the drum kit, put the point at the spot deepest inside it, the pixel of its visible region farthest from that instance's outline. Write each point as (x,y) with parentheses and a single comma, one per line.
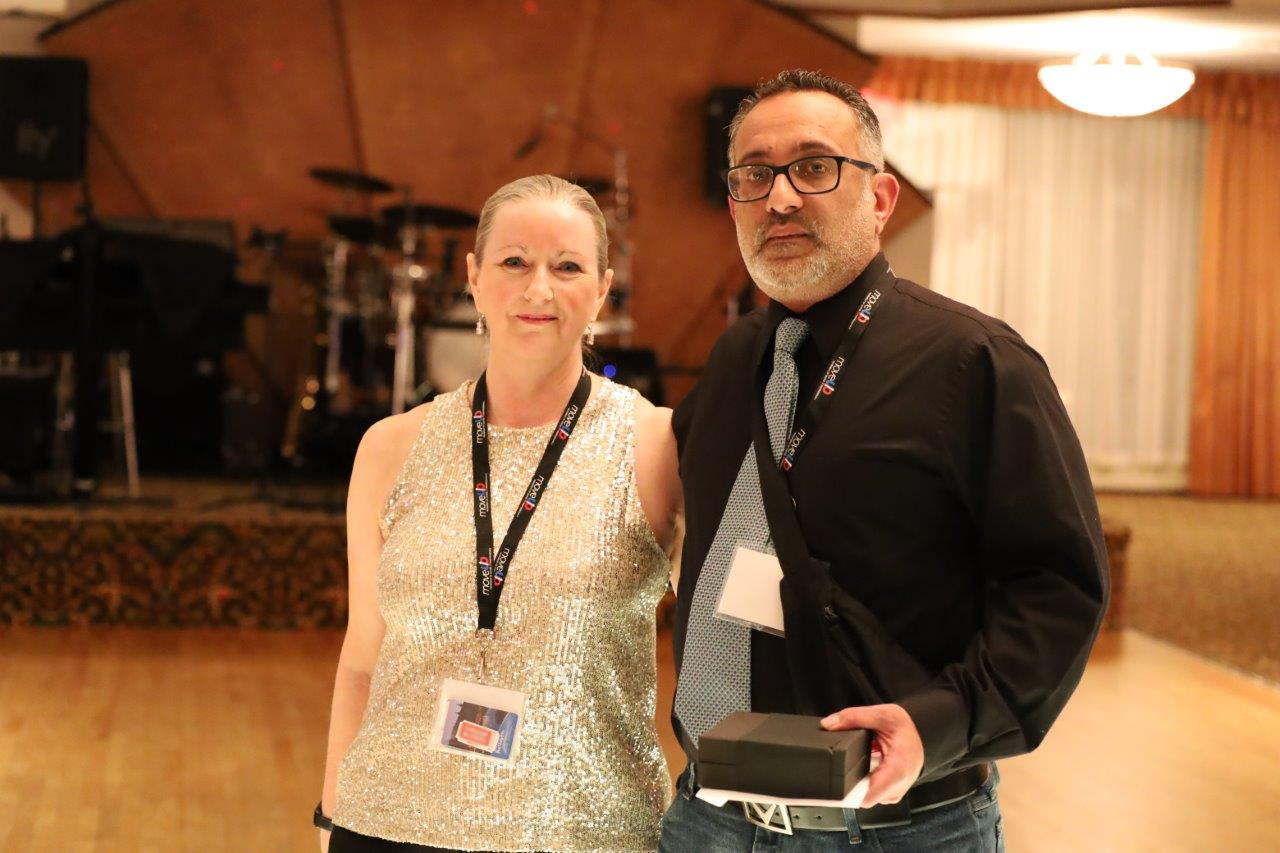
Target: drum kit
(394,324)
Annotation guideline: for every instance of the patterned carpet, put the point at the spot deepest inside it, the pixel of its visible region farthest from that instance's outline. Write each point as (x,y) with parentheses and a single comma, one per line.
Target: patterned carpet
(195,554)
(1204,574)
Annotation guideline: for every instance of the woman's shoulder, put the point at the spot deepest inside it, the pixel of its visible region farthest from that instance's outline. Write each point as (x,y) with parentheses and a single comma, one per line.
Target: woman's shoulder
(648,418)
(396,432)
(386,444)
(651,420)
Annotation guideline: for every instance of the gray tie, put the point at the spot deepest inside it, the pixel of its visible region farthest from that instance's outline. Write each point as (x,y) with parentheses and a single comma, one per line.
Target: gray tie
(715,672)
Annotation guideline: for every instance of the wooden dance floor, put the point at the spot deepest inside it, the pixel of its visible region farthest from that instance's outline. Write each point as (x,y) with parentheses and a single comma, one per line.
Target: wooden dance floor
(128,739)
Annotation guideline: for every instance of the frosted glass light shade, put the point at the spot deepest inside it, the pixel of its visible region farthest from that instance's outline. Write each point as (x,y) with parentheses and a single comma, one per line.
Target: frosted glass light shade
(1116,87)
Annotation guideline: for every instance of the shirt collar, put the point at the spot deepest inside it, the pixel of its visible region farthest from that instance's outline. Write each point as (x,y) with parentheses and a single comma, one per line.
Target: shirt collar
(829,318)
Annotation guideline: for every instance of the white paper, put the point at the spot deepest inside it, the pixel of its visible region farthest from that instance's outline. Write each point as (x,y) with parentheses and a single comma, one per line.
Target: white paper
(750,596)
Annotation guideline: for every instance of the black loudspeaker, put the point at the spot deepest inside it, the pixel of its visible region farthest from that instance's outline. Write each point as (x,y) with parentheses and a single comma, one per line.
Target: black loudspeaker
(722,103)
(26,430)
(42,118)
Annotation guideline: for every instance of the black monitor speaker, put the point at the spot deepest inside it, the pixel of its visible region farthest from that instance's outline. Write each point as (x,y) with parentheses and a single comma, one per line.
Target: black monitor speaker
(43,117)
(722,103)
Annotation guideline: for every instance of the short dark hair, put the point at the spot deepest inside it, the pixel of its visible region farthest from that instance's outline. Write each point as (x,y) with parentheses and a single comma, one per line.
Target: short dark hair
(802,80)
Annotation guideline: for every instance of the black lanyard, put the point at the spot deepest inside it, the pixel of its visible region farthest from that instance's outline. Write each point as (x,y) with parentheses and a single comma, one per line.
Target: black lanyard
(491,569)
(810,416)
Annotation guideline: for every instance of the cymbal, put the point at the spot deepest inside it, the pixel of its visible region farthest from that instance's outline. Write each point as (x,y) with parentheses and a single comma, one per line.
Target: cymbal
(593,186)
(347,179)
(357,229)
(396,216)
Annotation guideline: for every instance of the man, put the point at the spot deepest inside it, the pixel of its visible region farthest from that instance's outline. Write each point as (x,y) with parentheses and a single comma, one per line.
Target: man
(944,572)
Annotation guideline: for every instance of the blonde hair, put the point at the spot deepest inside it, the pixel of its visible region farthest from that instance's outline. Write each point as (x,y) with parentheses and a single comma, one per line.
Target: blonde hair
(551,188)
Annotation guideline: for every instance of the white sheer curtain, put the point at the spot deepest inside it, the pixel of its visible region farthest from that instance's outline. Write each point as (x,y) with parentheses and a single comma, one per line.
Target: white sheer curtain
(1083,234)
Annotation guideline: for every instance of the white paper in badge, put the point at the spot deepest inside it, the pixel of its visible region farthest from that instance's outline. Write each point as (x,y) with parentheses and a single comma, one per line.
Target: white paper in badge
(478,721)
(750,596)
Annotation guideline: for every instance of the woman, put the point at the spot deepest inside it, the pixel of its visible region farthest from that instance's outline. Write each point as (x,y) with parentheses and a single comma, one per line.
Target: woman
(490,698)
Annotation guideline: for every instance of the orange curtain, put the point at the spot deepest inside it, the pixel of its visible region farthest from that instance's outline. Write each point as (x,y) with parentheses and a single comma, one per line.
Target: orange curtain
(1235,421)
(1235,427)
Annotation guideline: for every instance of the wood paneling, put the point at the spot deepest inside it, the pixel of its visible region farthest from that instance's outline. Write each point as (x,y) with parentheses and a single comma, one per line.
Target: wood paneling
(217,108)
(445,92)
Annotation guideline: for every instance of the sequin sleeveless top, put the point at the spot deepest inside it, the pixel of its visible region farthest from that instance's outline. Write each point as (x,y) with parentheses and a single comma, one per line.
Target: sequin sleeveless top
(575,634)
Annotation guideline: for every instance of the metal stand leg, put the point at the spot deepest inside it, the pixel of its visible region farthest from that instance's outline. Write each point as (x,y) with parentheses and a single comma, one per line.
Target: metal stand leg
(338,310)
(123,423)
(402,382)
(124,377)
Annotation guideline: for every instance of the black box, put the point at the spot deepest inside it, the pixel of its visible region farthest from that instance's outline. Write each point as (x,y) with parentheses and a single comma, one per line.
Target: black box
(782,755)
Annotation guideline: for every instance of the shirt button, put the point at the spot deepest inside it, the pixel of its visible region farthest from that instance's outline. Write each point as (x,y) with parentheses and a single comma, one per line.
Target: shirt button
(829,614)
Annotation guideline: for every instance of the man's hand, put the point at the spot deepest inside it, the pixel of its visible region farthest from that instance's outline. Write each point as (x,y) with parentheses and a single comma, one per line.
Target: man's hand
(897,741)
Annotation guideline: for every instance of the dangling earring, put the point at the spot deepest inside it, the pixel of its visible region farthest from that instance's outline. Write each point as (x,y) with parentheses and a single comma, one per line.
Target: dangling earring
(480,325)
(591,335)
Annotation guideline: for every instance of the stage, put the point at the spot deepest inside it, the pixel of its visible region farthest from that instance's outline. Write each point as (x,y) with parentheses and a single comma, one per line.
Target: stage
(220,552)
(191,553)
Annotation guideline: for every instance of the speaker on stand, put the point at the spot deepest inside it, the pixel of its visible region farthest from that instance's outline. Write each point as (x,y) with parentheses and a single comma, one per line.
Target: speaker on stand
(721,105)
(43,119)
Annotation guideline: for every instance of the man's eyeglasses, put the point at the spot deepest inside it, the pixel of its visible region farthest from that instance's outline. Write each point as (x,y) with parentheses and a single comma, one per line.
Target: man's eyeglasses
(808,175)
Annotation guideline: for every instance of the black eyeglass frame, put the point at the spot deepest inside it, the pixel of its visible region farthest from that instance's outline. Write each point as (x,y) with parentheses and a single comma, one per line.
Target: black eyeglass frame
(785,169)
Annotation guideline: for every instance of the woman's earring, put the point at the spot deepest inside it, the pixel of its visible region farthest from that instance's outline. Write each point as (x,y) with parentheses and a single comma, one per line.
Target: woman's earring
(480,325)
(591,334)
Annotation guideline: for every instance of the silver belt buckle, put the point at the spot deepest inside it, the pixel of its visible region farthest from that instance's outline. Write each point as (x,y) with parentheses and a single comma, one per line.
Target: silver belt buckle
(770,816)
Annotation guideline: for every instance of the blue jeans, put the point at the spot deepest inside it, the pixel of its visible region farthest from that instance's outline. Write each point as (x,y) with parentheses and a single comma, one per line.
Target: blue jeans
(971,825)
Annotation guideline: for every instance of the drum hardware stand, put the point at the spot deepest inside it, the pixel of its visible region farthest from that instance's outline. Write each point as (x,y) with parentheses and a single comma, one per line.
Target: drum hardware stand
(405,276)
(336,307)
(618,218)
(123,424)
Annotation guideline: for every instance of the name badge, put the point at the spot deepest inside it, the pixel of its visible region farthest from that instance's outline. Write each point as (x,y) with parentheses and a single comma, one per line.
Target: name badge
(478,721)
(750,596)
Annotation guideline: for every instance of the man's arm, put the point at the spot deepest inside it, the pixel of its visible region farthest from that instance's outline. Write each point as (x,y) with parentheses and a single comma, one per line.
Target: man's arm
(1017,465)
(1042,556)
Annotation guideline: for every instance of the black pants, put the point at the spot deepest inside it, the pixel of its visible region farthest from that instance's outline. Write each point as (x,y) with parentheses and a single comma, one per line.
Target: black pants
(346,841)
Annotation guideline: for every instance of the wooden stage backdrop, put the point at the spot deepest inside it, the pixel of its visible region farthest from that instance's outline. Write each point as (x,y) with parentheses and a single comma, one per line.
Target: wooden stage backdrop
(216,109)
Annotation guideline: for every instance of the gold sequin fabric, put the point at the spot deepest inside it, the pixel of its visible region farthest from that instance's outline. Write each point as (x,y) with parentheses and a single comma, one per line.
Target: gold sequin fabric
(575,634)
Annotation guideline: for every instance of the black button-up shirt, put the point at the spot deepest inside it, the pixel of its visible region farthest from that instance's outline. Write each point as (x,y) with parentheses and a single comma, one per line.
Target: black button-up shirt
(947,490)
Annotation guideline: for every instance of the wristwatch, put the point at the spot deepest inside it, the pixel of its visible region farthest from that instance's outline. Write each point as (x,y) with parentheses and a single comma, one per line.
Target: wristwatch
(320,820)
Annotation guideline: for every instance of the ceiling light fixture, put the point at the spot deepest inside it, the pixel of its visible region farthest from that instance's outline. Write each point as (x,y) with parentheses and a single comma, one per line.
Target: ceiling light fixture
(1117,86)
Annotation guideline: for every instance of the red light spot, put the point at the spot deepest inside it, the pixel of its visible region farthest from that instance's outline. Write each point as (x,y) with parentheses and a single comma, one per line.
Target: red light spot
(530,7)
(245,202)
(277,65)
(614,127)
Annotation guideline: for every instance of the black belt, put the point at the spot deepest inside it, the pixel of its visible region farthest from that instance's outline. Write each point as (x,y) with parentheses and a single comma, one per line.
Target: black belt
(928,795)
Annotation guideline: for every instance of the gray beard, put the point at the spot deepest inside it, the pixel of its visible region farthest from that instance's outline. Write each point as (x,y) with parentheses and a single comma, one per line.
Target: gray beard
(834,261)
